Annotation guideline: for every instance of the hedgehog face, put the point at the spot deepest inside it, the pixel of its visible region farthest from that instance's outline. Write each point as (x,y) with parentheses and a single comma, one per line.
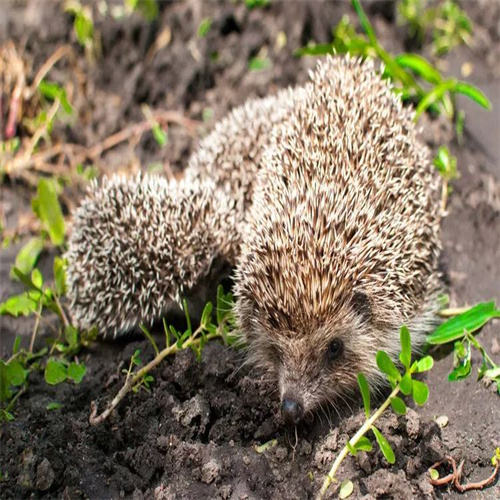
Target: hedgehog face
(315,362)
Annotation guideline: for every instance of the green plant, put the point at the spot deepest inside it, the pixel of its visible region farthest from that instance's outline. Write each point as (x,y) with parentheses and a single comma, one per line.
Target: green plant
(146,8)
(204,27)
(412,75)
(83,25)
(175,341)
(57,360)
(403,383)
(255,4)
(459,330)
(446,164)
(446,21)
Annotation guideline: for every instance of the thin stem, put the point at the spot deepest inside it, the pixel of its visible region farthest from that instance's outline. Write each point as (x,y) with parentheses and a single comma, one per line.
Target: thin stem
(352,442)
(35,329)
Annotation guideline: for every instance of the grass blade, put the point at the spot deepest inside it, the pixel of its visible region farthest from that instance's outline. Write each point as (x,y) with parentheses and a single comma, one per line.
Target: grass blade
(473,93)
(470,321)
(384,445)
(405,355)
(365,392)
(421,66)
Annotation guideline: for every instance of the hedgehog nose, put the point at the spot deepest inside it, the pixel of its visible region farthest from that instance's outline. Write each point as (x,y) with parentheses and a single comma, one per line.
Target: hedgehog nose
(292,410)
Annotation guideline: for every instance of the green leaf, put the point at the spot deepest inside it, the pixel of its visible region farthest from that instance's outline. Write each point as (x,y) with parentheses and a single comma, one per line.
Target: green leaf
(19,305)
(7,417)
(435,95)
(26,280)
(60,275)
(351,448)
(266,446)
(471,321)
(17,344)
(71,334)
(434,474)
(460,372)
(398,405)
(259,63)
(473,93)
(315,49)
(47,208)
(405,355)
(206,317)
(365,392)
(16,374)
(384,446)
(37,278)
(135,358)
(55,372)
(53,406)
(387,366)
(424,364)
(27,257)
(147,8)
(406,384)
(76,372)
(150,338)
(420,392)
(346,489)
(419,65)
(5,392)
(204,27)
(363,444)
(159,134)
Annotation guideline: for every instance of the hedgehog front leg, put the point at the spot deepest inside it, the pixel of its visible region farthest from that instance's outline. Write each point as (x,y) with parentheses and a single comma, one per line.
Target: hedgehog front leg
(140,244)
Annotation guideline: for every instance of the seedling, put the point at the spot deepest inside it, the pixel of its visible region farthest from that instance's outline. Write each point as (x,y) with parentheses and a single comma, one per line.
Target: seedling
(83,25)
(175,341)
(412,75)
(460,330)
(403,383)
(448,24)
(58,360)
(446,164)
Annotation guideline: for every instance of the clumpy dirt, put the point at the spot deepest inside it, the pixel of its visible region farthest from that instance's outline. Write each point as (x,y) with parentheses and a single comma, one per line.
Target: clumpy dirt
(195,434)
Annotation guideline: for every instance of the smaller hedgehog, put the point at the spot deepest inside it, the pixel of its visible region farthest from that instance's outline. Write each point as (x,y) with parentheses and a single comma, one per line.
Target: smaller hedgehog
(140,245)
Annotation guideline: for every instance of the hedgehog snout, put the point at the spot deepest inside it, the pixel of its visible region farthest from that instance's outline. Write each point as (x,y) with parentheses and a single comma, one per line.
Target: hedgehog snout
(292,409)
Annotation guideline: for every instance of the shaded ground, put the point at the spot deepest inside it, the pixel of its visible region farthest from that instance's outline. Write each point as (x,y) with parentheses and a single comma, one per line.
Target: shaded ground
(194,436)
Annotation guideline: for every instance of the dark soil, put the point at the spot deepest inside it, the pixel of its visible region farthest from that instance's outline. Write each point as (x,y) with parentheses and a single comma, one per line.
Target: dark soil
(194,435)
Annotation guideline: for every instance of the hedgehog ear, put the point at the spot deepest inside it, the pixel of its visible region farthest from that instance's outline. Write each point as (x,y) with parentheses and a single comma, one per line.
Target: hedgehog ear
(362,305)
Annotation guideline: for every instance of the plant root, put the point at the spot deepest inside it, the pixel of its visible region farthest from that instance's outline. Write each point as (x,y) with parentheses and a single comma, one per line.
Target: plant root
(456,475)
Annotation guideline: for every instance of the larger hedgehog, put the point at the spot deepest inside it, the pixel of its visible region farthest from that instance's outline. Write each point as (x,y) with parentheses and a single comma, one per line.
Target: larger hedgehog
(333,220)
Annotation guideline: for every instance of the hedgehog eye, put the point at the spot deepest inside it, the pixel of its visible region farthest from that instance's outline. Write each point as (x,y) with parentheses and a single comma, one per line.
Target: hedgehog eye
(335,349)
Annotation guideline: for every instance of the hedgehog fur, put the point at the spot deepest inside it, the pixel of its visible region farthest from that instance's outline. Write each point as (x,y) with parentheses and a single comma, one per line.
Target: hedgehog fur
(324,198)
(342,241)
(127,257)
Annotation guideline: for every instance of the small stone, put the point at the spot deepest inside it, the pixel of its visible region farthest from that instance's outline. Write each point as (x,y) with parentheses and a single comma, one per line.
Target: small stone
(225,491)
(442,421)
(281,453)
(44,475)
(162,443)
(246,460)
(412,423)
(305,447)
(210,471)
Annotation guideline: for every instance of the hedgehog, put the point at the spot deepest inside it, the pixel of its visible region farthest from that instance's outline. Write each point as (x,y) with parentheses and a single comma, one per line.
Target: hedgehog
(325,201)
